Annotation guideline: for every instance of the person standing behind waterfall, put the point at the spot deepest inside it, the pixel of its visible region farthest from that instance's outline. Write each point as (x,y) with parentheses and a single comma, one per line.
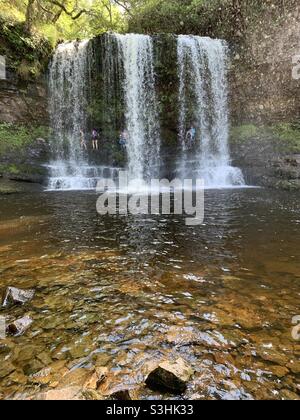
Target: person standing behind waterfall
(95,139)
(83,144)
(191,136)
(123,139)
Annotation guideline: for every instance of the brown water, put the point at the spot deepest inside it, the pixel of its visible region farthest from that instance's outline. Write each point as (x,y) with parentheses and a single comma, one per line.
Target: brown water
(121,292)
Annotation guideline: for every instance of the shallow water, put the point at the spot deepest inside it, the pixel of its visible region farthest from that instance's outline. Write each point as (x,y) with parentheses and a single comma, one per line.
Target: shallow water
(123,291)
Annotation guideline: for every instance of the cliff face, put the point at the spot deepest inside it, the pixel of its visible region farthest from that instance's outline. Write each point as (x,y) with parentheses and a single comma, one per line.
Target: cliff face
(265,100)
(23,102)
(263,88)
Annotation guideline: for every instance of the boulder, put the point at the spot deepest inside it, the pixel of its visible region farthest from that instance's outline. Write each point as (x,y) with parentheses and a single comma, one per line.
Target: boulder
(170,376)
(19,326)
(15,296)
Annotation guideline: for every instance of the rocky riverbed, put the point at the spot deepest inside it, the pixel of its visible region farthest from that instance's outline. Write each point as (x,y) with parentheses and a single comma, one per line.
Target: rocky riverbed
(116,299)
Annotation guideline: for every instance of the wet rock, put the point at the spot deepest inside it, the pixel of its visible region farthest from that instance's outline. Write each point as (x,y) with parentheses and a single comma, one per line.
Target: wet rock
(170,376)
(6,369)
(289,395)
(273,356)
(20,326)
(96,379)
(15,296)
(117,385)
(72,393)
(78,377)
(42,377)
(78,352)
(44,358)
(33,367)
(123,395)
(278,371)
(91,395)
(17,377)
(101,359)
(294,367)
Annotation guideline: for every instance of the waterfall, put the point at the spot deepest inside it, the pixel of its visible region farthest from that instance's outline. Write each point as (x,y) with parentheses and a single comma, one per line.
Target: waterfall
(143,143)
(203,105)
(69,91)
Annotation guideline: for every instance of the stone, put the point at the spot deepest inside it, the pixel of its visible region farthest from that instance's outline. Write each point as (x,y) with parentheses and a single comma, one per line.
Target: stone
(91,395)
(33,367)
(289,395)
(20,326)
(77,377)
(44,358)
(171,377)
(96,379)
(279,371)
(123,395)
(72,393)
(15,296)
(6,369)
(294,367)
(101,359)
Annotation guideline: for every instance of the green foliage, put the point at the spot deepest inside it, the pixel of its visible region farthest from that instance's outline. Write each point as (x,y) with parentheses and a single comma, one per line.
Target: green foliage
(77,19)
(220,18)
(14,138)
(284,137)
(244,132)
(289,135)
(26,55)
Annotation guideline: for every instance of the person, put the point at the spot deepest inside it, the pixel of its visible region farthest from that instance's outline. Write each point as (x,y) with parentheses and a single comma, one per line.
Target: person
(191,135)
(95,139)
(123,139)
(83,144)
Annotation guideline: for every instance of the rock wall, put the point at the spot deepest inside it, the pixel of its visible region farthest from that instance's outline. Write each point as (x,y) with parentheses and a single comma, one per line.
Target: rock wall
(263,89)
(23,103)
(24,124)
(265,99)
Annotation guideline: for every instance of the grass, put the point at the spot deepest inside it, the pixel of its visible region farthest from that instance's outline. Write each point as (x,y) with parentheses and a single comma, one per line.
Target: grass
(15,138)
(285,136)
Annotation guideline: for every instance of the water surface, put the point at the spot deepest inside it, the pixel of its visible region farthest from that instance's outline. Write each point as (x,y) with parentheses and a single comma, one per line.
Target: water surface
(124,291)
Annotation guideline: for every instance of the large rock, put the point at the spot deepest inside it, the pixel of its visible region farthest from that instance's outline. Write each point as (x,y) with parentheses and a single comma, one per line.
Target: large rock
(171,377)
(19,326)
(17,296)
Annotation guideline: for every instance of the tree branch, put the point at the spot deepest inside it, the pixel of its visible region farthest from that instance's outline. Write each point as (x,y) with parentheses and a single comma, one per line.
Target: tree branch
(124,6)
(71,14)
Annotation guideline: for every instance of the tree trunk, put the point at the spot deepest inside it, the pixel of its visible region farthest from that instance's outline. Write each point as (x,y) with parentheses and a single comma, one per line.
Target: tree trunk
(29,16)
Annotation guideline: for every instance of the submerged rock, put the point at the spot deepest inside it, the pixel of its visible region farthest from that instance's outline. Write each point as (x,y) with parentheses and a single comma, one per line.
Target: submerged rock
(19,326)
(71,393)
(17,296)
(171,377)
(123,395)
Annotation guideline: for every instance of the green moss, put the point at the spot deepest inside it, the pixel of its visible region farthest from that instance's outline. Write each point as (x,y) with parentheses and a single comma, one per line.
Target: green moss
(289,136)
(285,138)
(15,138)
(244,133)
(288,185)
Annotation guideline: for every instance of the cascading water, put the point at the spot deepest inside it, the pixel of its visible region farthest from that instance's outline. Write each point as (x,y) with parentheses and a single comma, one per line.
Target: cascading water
(203,99)
(143,143)
(69,87)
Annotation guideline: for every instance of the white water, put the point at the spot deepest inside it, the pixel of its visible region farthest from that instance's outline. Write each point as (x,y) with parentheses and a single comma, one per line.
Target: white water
(203,99)
(143,145)
(69,93)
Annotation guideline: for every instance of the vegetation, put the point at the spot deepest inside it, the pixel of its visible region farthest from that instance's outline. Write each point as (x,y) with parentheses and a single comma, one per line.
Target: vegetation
(285,137)
(16,138)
